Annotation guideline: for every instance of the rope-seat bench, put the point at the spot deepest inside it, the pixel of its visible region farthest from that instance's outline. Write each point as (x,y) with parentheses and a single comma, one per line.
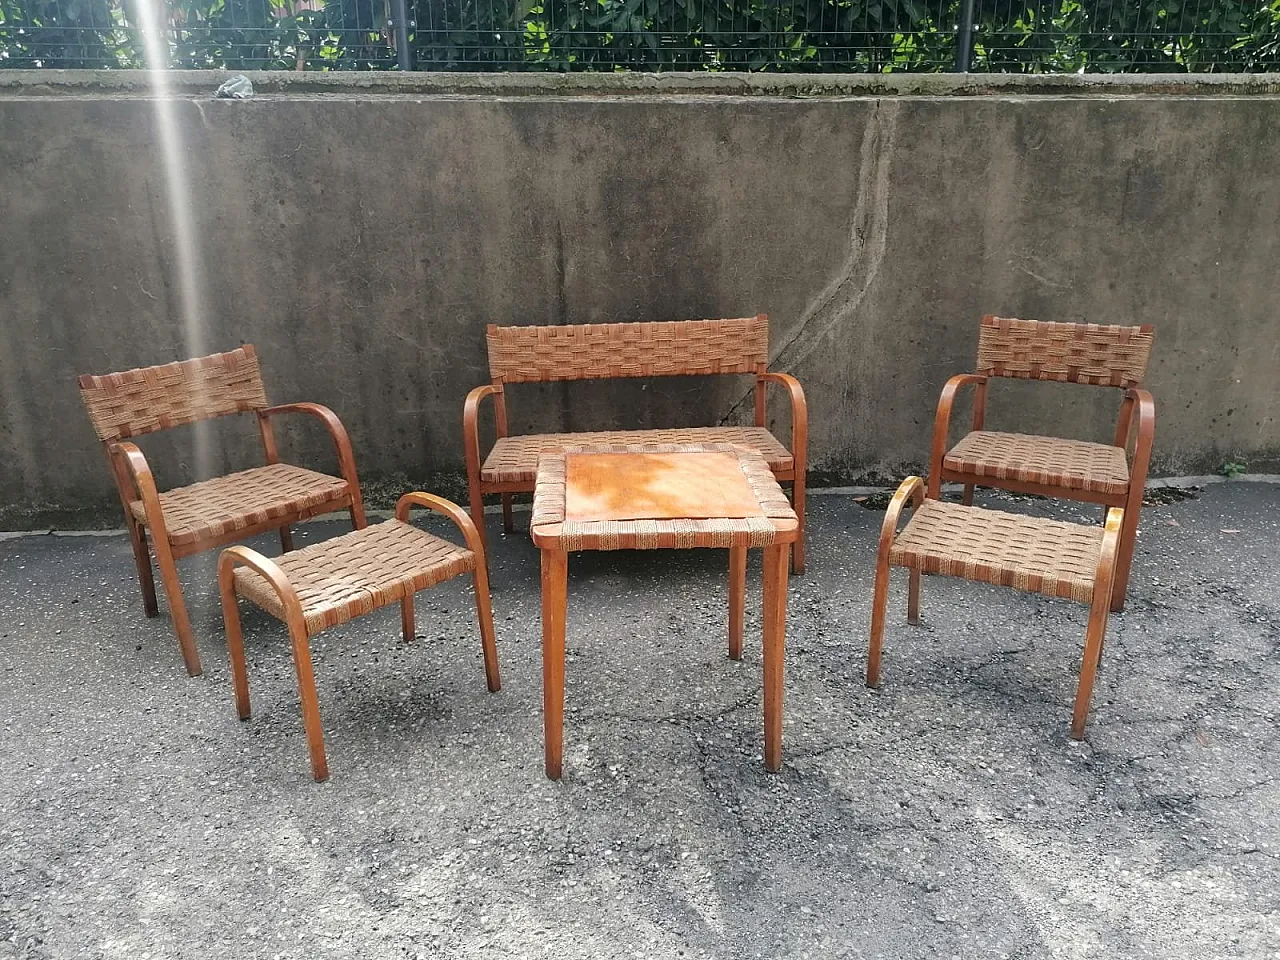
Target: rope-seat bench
(595,351)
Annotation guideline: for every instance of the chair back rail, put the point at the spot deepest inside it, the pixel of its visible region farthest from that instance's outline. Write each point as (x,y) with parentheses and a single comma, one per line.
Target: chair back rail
(1090,353)
(593,351)
(134,402)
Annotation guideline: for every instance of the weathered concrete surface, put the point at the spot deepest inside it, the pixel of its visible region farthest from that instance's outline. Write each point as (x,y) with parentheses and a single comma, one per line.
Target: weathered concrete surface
(363,241)
(947,814)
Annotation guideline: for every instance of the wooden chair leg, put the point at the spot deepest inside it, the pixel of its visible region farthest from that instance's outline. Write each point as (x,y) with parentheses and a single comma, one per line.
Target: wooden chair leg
(235,640)
(555,571)
(286,539)
(967,496)
(1124,556)
(310,701)
(913,598)
(142,557)
(358,519)
(879,603)
(177,606)
(797,548)
(477,516)
(737,599)
(1103,589)
(775,629)
(484,614)
(1092,654)
(508,524)
(407,628)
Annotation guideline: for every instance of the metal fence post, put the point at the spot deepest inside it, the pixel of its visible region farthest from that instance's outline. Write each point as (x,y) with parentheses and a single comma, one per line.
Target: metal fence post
(964,38)
(400,26)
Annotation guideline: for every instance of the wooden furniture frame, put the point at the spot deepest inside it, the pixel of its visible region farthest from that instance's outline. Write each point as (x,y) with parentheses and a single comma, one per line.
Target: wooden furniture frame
(336,580)
(538,354)
(1058,559)
(208,514)
(1085,353)
(773,527)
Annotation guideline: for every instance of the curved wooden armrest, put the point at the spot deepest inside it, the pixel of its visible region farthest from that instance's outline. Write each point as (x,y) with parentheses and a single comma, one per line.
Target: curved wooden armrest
(318,410)
(912,489)
(1110,542)
(239,556)
(1115,518)
(450,510)
(799,414)
(1135,398)
(136,468)
(942,421)
(138,471)
(1146,405)
(338,432)
(341,439)
(471,423)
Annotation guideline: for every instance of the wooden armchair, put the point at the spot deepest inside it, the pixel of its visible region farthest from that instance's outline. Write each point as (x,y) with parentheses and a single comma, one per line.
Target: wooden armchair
(1103,356)
(210,513)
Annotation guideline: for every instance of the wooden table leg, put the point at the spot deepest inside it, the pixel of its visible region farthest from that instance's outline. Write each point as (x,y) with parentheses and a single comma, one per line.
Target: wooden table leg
(776,559)
(737,599)
(555,570)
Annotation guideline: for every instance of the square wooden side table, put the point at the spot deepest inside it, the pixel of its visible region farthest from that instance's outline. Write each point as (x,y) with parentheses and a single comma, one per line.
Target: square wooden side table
(662,496)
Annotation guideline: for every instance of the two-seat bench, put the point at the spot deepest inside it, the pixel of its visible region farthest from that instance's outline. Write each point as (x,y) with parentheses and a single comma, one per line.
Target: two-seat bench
(540,354)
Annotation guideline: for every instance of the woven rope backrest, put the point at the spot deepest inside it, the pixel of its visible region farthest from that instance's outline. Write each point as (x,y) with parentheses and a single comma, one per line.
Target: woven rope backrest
(592,351)
(148,399)
(1090,353)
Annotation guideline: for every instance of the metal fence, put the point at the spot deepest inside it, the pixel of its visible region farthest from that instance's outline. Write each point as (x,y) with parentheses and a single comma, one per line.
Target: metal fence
(1021,36)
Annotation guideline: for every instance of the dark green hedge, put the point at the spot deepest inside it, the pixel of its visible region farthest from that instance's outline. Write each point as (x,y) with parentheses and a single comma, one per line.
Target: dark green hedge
(804,35)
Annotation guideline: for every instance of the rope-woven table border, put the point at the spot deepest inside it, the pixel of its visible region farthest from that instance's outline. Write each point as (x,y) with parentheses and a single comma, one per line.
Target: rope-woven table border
(777,525)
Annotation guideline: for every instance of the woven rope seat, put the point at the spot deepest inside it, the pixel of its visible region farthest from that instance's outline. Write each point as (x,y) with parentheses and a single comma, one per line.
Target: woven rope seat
(1028,553)
(1053,461)
(340,579)
(212,508)
(515,459)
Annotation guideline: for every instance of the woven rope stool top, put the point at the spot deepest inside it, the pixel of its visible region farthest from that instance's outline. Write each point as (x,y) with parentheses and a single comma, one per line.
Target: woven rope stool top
(656,496)
(213,508)
(340,579)
(515,459)
(1052,557)
(1073,464)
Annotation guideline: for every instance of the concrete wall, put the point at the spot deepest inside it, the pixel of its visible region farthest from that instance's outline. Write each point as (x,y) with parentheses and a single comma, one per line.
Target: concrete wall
(362,233)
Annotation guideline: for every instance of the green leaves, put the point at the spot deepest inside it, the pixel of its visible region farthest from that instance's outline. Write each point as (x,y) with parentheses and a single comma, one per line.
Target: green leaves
(793,35)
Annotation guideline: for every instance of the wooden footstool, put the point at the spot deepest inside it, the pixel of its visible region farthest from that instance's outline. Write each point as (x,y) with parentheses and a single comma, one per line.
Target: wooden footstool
(1058,559)
(656,496)
(329,583)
